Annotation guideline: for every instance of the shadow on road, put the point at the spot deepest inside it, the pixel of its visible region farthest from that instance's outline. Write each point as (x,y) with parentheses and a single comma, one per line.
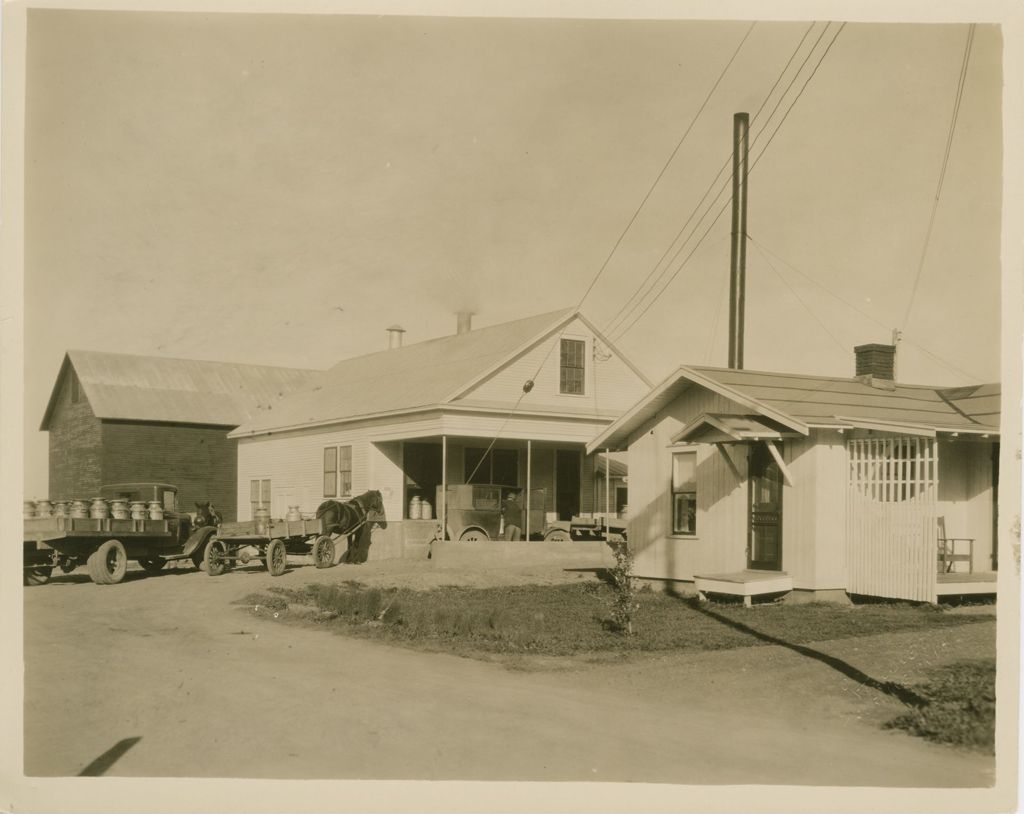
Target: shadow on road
(102,764)
(890,688)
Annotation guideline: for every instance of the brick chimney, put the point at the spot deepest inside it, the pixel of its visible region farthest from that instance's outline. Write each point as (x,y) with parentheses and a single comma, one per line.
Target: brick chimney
(395,336)
(876,363)
(464,323)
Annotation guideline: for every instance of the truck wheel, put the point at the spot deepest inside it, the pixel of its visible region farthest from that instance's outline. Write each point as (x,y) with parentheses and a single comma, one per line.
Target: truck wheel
(323,552)
(38,574)
(152,565)
(108,563)
(557,535)
(67,565)
(277,558)
(474,535)
(213,559)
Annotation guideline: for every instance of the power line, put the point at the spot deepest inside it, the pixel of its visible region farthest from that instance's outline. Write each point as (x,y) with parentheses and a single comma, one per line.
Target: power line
(664,168)
(628,307)
(942,172)
(853,306)
(679,268)
(842,346)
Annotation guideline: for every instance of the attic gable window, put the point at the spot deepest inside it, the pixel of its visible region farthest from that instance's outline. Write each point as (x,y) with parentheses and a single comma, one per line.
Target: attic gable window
(572,367)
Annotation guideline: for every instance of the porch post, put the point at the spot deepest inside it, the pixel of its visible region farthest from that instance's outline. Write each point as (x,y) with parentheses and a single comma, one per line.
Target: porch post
(529,461)
(607,489)
(444,486)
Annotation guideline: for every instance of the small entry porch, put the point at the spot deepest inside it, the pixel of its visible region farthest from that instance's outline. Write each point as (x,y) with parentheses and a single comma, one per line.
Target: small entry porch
(746,584)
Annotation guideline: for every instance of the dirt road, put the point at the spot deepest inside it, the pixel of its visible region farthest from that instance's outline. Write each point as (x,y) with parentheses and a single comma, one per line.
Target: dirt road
(165,676)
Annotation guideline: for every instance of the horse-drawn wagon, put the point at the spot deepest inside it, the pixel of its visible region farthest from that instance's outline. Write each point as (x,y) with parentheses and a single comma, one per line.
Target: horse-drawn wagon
(272,541)
(154,535)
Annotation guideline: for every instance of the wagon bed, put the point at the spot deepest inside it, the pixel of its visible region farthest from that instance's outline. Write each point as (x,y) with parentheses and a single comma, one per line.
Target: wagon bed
(273,540)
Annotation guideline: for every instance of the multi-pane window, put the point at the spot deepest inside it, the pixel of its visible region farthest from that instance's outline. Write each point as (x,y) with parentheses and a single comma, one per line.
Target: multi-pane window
(259,495)
(684,493)
(337,471)
(498,466)
(572,367)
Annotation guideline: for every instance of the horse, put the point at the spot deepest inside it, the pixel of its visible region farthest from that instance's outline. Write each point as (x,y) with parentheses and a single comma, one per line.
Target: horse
(206,515)
(354,518)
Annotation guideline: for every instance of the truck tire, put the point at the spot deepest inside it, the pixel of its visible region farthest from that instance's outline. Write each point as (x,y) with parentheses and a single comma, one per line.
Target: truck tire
(38,574)
(277,558)
(557,535)
(213,558)
(474,535)
(152,565)
(108,563)
(323,552)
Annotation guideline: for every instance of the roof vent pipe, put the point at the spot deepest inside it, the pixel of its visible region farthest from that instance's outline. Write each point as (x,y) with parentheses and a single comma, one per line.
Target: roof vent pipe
(465,322)
(395,336)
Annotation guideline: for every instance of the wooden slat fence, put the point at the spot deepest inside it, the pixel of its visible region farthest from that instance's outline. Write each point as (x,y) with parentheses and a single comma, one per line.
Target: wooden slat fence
(892,522)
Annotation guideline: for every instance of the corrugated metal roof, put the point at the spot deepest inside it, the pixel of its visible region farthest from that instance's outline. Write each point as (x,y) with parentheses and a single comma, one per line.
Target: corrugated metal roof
(122,386)
(410,377)
(821,401)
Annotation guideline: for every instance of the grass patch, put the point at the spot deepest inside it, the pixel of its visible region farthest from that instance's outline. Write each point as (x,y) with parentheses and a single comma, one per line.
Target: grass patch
(959,708)
(565,620)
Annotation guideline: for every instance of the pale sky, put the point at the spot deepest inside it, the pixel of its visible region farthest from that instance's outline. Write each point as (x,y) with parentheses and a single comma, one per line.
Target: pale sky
(217,186)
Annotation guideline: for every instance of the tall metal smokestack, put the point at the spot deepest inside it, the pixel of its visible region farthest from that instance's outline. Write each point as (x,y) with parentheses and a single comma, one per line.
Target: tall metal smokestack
(738,256)
(465,322)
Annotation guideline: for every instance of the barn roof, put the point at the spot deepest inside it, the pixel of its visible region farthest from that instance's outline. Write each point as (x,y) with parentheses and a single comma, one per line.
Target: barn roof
(416,376)
(801,402)
(123,386)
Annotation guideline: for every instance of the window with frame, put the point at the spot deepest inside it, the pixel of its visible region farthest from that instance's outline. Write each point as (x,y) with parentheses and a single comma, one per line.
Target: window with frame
(259,495)
(498,466)
(572,367)
(337,471)
(684,493)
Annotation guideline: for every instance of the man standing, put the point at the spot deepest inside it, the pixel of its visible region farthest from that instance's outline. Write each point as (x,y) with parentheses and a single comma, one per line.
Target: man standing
(513,514)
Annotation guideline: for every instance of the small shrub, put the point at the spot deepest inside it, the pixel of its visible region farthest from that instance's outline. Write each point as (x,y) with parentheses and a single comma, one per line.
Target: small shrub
(624,604)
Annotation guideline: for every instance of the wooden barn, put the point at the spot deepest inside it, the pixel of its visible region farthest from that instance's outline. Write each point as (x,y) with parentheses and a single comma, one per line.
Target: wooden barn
(118,418)
(512,404)
(751,483)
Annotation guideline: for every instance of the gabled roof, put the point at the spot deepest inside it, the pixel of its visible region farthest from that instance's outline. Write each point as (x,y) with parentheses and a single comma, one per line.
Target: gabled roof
(802,402)
(413,377)
(122,386)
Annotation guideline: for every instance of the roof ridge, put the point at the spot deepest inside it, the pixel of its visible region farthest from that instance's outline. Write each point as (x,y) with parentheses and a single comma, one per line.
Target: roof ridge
(197,361)
(550,316)
(851,379)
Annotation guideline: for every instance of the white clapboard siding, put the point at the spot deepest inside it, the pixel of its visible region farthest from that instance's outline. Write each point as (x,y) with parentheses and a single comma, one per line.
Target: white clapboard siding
(721,539)
(891,517)
(610,384)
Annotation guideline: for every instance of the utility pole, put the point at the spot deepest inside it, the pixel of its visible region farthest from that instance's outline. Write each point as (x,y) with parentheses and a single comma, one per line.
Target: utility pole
(738,254)
(897,335)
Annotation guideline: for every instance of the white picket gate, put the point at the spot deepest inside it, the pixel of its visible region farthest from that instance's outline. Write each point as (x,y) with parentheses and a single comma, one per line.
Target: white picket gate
(892,523)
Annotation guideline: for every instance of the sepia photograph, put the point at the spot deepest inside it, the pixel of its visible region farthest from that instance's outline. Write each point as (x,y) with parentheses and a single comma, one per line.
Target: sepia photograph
(591,407)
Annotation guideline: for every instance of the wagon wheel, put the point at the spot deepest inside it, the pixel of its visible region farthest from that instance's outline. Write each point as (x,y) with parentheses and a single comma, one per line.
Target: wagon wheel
(474,535)
(108,563)
(38,574)
(277,558)
(152,565)
(323,552)
(214,558)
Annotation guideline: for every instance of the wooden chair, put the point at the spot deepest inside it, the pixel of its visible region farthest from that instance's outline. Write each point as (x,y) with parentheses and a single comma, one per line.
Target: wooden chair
(948,550)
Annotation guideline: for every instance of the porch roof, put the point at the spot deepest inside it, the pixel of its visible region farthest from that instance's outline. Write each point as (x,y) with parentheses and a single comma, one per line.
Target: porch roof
(802,402)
